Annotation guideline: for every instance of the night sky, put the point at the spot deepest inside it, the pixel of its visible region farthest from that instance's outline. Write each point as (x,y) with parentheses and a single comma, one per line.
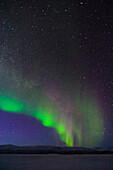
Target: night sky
(56,72)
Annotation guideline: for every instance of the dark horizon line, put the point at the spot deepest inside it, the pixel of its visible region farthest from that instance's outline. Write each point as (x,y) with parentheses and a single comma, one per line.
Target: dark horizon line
(110,146)
(44,149)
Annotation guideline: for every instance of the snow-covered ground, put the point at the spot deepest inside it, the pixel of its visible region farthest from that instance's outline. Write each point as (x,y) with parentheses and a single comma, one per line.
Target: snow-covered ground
(55,162)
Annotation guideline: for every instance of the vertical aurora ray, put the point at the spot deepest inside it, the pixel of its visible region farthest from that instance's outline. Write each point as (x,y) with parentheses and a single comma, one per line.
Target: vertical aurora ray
(91,122)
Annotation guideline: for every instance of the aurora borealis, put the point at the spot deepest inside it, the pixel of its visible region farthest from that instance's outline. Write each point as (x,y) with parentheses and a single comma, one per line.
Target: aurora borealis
(53,114)
(71,121)
(55,73)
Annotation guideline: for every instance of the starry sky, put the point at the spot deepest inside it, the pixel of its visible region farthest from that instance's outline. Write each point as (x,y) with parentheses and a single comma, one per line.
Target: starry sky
(56,72)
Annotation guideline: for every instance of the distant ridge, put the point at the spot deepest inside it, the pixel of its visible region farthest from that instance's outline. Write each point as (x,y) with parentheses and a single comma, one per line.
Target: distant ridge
(13,149)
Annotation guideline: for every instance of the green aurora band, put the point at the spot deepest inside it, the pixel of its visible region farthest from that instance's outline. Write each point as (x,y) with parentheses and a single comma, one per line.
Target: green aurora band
(83,129)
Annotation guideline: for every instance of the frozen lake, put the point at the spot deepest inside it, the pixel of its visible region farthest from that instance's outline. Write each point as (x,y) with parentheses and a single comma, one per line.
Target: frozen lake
(55,162)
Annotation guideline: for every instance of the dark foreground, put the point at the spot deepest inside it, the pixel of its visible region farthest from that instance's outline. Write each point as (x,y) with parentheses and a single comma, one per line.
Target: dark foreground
(55,162)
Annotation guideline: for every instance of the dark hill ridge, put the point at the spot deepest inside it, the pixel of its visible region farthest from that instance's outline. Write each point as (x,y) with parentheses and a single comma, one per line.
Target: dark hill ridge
(13,149)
